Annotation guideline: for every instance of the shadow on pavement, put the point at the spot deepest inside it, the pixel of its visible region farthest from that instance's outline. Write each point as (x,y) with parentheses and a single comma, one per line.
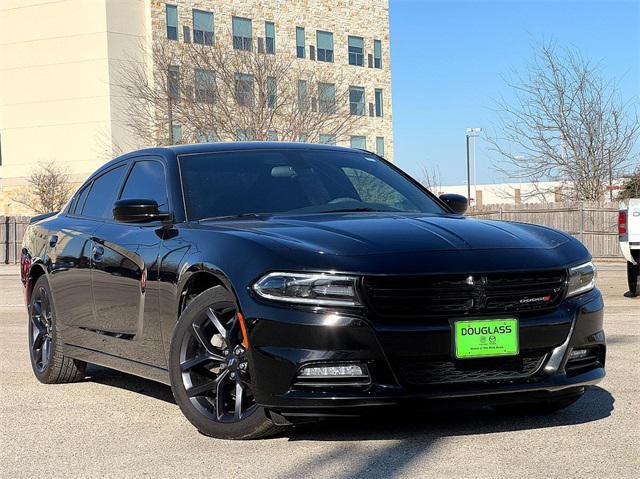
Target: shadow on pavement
(596,404)
(408,436)
(117,379)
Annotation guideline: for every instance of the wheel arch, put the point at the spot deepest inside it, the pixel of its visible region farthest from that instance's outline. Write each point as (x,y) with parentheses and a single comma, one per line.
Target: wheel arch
(36,270)
(198,278)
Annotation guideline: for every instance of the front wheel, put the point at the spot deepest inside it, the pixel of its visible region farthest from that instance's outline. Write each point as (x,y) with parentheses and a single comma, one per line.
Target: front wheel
(209,371)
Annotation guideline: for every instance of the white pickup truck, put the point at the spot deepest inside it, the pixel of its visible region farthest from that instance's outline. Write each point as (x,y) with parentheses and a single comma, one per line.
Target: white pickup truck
(629,230)
(629,237)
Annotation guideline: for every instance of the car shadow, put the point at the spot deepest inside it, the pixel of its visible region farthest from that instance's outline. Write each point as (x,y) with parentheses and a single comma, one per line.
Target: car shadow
(597,403)
(136,384)
(407,436)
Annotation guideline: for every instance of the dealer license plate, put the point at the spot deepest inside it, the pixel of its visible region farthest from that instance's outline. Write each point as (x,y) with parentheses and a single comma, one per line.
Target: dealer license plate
(486,338)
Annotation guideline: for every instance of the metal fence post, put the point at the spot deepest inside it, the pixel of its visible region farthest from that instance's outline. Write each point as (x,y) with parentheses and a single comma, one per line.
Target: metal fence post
(582,222)
(6,240)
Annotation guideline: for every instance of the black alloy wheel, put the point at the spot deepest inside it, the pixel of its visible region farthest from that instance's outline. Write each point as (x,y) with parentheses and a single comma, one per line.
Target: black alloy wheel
(209,370)
(49,363)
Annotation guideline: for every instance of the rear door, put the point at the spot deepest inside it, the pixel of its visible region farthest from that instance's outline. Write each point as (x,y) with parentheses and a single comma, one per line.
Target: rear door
(70,247)
(125,269)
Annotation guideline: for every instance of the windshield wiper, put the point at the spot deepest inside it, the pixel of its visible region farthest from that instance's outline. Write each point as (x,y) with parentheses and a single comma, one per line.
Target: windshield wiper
(232,217)
(349,210)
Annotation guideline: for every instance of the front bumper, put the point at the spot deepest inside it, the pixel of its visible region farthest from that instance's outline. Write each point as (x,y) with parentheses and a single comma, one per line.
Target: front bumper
(284,339)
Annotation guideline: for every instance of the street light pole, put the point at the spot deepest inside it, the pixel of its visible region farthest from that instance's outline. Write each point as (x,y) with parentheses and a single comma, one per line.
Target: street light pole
(468,172)
(472,133)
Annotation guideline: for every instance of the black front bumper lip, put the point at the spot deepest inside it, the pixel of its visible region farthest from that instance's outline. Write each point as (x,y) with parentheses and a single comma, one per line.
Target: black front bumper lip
(308,401)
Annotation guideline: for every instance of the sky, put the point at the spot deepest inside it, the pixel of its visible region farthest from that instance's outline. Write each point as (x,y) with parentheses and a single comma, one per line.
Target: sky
(449,60)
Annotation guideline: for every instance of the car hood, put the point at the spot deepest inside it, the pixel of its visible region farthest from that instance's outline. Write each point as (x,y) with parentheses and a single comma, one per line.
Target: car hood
(388,233)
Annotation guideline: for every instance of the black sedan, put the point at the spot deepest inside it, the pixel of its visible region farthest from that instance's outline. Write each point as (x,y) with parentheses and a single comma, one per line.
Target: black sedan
(273,283)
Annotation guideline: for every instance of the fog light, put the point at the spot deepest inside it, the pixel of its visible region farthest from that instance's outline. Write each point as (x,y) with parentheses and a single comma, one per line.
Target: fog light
(578,354)
(338,371)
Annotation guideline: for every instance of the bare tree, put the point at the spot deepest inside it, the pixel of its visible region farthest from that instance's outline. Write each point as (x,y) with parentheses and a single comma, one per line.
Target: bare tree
(567,124)
(431,179)
(631,186)
(218,93)
(48,189)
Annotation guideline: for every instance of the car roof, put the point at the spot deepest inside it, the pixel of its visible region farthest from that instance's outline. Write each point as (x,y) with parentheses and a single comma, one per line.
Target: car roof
(176,150)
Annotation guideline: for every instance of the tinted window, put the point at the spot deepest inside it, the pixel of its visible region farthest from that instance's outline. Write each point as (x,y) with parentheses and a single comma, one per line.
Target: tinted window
(76,208)
(295,182)
(103,194)
(146,181)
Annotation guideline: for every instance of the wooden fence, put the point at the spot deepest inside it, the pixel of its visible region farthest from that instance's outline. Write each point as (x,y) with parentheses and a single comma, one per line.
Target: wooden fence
(11,231)
(594,224)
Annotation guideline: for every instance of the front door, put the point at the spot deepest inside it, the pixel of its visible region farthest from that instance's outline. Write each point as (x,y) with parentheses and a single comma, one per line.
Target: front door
(125,270)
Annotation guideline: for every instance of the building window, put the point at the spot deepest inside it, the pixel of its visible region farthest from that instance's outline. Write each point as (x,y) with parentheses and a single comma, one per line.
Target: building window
(300,46)
(173,81)
(324,46)
(204,85)
(380,146)
(202,27)
(272,135)
(244,89)
(176,134)
(356,51)
(356,100)
(272,92)
(327,97)
(270,37)
(379,102)
(172,22)
(327,139)
(377,54)
(244,135)
(208,137)
(242,33)
(302,95)
(359,142)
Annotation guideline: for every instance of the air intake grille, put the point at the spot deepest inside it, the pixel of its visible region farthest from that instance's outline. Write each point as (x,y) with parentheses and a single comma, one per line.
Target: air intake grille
(425,371)
(449,295)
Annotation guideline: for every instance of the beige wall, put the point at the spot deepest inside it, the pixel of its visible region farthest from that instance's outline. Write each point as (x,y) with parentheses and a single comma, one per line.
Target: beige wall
(56,80)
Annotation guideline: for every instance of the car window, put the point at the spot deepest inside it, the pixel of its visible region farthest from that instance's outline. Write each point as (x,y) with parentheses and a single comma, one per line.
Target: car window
(146,181)
(371,190)
(296,181)
(99,203)
(76,207)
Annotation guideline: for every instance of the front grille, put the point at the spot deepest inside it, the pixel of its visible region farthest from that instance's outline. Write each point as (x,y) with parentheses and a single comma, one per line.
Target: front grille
(426,371)
(459,295)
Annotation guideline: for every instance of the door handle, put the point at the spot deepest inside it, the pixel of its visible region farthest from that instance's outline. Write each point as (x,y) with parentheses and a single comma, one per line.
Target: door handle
(97,252)
(53,240)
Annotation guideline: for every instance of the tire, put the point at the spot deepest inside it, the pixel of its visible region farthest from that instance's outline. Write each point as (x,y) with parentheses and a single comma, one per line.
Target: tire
(546,406)
(209,370)
(48,361)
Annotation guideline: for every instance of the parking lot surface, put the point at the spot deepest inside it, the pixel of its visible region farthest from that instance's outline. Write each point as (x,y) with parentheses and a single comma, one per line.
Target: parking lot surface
(116,425)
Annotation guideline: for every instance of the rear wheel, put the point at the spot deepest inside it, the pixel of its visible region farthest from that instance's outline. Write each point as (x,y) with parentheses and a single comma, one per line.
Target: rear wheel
(49,363)
(209,371)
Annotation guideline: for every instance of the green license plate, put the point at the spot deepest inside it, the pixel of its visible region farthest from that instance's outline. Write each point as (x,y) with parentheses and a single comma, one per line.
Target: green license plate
(486,338)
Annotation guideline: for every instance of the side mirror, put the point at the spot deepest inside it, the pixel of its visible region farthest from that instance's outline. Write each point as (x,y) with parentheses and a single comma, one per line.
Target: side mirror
(137,211)
(457,203)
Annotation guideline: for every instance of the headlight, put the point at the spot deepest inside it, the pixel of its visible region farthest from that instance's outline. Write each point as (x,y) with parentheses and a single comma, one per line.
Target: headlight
(582,279)
(304,288)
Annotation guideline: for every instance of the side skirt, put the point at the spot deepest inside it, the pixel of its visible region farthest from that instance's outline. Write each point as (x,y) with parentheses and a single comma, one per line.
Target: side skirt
(118,363)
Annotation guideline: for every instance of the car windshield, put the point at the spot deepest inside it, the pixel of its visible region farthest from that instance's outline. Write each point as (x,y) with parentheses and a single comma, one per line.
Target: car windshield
(295,181)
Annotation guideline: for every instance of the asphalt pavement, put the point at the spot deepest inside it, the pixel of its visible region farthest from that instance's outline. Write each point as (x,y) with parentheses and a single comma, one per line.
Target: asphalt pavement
(116,425)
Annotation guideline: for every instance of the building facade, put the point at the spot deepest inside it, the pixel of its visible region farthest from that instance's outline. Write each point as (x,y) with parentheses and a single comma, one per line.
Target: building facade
(61,63)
